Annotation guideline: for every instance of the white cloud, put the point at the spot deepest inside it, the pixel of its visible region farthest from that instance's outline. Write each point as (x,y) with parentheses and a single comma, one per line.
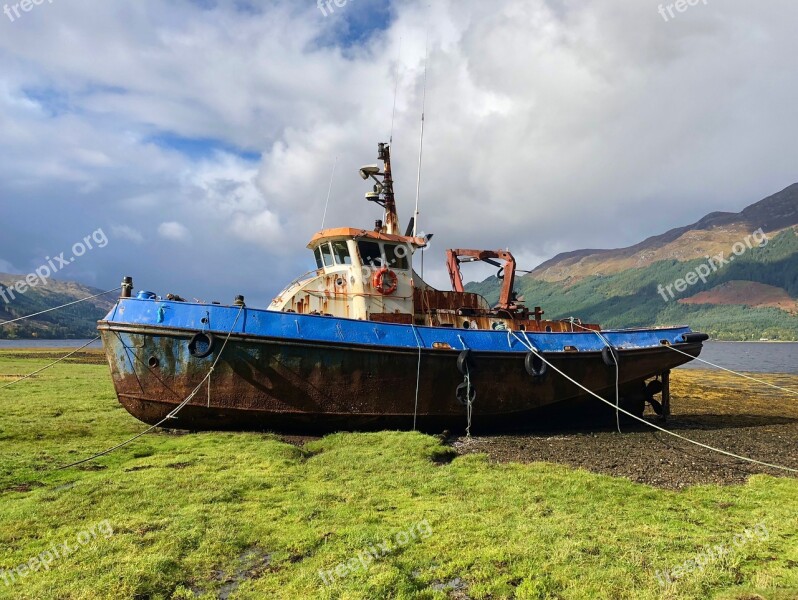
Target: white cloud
(262,228)
(124,232)
(550,126)
(173,231)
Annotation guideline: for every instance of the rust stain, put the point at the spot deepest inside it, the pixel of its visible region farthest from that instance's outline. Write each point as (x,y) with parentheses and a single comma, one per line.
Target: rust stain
(277,384)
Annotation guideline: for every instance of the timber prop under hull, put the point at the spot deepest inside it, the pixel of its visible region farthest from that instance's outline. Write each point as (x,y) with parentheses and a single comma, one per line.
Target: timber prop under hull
(283,383)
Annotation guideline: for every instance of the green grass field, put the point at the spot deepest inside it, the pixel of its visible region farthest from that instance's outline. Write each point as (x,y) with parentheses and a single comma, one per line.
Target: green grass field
(247,516)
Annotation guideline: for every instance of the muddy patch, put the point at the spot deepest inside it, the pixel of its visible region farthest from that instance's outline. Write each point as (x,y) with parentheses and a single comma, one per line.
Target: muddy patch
(138,468)
(179,465)
(253,563)
(719,410)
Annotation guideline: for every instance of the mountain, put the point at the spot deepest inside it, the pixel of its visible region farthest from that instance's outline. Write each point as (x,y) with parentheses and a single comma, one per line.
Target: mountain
(716,232)
(733,275)
(77,321)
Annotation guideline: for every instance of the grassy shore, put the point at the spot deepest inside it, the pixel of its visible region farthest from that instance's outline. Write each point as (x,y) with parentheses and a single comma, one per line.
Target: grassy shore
(250,516)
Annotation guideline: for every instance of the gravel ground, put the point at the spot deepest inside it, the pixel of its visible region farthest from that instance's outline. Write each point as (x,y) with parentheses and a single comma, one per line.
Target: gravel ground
(720,410)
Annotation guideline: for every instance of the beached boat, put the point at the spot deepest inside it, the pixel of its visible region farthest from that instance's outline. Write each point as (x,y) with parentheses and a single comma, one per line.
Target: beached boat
(363,342)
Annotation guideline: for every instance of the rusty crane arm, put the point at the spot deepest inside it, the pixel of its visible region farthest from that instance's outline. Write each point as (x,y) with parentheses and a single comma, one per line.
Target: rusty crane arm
(453,260)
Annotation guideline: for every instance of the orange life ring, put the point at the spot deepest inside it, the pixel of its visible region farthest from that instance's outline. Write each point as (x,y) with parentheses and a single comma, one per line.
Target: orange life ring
(379,281)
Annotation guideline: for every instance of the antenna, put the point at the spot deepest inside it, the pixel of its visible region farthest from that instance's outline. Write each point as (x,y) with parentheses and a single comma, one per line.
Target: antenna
(395,88)
(421,142)
(329,190)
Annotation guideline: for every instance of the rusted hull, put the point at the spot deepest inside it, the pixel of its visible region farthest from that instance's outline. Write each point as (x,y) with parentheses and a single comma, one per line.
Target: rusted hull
(264,383)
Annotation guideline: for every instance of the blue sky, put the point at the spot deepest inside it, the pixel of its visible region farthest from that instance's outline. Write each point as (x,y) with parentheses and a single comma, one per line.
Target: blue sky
(200,148)
(200,135)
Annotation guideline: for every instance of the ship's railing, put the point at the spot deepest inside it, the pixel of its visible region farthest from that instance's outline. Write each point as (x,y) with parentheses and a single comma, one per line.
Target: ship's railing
(301,278)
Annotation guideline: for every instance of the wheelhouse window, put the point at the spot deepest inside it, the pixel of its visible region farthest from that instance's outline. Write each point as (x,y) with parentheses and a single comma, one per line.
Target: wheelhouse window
(326,255)
(370,253)
(317,255)
(396,256)
(341,253)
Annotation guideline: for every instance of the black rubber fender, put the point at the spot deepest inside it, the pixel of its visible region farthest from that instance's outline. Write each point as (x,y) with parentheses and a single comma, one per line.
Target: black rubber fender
(653,388)
(610,356)
(465,363)
(657,406)
(202,344)
(535,366)
(461,393)
(695,337)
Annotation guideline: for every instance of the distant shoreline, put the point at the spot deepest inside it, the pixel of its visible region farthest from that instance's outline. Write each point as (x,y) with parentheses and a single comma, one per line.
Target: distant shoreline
(34,343)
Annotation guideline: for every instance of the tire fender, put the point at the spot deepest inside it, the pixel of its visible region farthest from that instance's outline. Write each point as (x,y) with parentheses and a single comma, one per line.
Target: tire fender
(202,344)
(610,356)
(535,366)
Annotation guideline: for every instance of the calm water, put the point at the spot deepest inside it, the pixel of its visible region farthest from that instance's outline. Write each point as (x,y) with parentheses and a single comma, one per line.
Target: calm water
(760,357)
(47,344)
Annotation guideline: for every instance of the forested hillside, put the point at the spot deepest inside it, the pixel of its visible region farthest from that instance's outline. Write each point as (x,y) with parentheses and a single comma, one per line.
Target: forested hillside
(633,297)
(78,321)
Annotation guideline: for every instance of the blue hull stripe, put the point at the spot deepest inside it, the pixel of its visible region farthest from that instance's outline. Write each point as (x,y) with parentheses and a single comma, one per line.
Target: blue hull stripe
(296,327)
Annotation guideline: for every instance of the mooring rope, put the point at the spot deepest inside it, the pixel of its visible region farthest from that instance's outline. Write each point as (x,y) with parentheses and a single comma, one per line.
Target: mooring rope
(50,365)
(778,387)
(531,348)
(467,380)
(173,413)
(59,307)
(418,374)
(48,311)
(614,355)
(469,402)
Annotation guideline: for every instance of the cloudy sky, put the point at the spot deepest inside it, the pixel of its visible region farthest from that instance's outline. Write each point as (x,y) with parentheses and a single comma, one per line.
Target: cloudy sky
(200,135)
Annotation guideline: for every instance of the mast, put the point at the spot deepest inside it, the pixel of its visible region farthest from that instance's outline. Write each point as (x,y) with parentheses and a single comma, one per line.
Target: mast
(329,191)
(383,189)
(421,142)
(391,221)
